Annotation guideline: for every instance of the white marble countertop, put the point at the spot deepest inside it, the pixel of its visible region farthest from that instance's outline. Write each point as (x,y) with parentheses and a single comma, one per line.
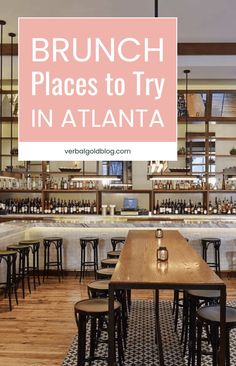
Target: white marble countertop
(223,222)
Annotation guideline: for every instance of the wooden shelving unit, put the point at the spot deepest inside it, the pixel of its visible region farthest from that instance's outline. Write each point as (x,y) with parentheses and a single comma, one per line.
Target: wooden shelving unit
(205,124)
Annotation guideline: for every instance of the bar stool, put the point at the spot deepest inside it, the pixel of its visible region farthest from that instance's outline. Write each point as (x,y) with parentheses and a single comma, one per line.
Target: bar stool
(117,240)
(104,273)
(56,243)
(34,247)
(9,257)
(210,315)
(98,288)
(95,310)
(109,262)
(23,271)
(93,262)
(195,299)
(113,254)
(215,242)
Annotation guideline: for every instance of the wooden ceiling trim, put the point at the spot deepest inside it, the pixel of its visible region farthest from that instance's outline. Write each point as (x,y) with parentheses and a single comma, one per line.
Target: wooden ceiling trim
(184,49)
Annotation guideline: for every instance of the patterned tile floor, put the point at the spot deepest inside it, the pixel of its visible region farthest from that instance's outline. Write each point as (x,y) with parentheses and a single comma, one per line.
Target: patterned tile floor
(141,349)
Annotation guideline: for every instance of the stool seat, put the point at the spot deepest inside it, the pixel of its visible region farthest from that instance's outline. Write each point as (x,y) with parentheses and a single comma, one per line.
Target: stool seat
(113,254)
(17,247)
(4,253)
(102,285)
(28,242)
(212,314)
(211,239)
(117,240)
(105,272)
(94,306)
(204,294)
(52,238)
(109,262)
(89,238)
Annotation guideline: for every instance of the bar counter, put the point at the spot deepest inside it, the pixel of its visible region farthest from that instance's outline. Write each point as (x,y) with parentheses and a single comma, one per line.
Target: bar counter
(71,228)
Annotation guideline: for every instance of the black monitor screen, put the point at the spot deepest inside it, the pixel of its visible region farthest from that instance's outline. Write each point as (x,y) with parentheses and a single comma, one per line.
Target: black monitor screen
(130,204)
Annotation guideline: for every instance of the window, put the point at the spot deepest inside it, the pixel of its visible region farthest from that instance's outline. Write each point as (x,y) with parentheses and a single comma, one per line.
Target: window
(199,150)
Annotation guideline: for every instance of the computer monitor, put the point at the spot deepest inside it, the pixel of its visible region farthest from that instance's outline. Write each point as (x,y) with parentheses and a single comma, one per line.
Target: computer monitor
(130,204)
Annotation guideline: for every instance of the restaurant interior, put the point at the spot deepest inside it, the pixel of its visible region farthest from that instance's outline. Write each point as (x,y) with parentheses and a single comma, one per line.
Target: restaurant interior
(125,262)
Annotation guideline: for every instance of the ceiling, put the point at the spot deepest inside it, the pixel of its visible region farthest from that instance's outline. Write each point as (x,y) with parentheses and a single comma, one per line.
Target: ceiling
(198,21)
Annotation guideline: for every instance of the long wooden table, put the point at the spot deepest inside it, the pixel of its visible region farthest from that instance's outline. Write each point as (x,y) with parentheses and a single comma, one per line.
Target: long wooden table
(138,268)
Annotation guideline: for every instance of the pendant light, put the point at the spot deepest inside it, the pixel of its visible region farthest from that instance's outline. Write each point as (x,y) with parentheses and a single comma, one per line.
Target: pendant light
(2,23)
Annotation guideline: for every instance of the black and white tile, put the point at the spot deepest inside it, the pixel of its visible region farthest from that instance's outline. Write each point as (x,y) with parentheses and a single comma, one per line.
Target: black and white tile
(141,348)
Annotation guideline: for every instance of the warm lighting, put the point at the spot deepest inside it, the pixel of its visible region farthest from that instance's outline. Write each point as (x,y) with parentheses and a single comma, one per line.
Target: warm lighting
(173,177)
(103,178)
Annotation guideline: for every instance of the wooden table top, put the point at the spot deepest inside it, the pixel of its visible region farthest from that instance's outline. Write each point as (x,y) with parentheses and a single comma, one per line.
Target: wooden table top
(138,265)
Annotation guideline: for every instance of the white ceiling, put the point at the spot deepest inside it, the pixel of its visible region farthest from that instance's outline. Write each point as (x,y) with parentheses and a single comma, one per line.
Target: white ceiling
(198,21)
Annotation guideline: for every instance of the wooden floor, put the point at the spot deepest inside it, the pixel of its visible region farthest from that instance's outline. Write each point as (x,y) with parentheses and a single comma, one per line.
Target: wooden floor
(40,329)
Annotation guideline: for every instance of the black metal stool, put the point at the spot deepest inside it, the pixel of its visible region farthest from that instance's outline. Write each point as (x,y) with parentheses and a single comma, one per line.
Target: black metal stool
(195,299)
(57,244)
(95,310)
(9,257)
(113,254)
(99,289)
(23,271)
(117,240)
(210,315)
(93,262)
(34,246)
(215,242)
(109,262)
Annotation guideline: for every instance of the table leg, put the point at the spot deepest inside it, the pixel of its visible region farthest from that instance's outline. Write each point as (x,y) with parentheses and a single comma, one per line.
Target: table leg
(158,329)
(222,325)
(111,329)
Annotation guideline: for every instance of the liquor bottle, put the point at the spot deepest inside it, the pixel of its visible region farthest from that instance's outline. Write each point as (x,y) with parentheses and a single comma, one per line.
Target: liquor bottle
(210,209)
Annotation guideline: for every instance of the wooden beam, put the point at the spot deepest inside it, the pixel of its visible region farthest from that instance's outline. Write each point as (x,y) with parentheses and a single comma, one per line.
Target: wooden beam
(183,49)
(6,51)
(196,49)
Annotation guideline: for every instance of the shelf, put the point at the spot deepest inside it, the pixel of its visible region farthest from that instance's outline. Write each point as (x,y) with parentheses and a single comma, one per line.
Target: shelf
(20,191)
(70,190)
(179,190)
(222,191)
(8,119)
(126,191)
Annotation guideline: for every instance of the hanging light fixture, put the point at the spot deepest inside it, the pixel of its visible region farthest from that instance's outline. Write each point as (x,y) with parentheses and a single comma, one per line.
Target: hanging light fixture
(2,23)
